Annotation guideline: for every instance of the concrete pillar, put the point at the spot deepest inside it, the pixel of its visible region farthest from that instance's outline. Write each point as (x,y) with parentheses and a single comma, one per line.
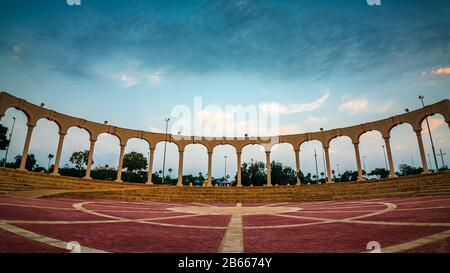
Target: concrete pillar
(120,167)
(358,162)
(58,153)
(239,178)
(327,161)
(389,155)
(150,167)
(180,169)
(297,165)
(269,178)
(26,147)
(422,151)
(209,183)
(89,163)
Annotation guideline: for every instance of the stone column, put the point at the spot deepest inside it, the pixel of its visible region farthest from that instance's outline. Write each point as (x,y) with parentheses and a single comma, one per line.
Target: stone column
(422,151)
(150,167)
(239,178)
(269,178)
(358,162)
(58,153)
(209,183)
(327,161)
(297,165)
(389,155)
(180,169)
(26,147)
(89,163)
(120,167)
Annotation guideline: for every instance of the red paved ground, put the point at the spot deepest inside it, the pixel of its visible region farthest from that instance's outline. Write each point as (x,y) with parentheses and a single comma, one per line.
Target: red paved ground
(331,226)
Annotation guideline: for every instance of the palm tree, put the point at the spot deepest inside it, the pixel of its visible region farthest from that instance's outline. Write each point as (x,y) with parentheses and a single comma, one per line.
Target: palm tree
(50,156)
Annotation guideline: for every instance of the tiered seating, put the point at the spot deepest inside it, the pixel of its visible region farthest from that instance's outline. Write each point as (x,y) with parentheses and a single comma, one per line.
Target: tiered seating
(419,185)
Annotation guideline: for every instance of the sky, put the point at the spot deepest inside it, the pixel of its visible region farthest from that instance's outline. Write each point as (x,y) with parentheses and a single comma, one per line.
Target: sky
(312,64)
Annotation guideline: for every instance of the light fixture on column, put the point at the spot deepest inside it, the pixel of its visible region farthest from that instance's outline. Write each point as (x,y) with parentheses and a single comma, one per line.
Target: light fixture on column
(165,147)
(429,133)
(42,104)
(385,160)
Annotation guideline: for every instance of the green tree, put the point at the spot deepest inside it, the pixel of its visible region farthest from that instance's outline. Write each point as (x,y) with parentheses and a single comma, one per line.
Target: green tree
(3,138)
(134,162)
(29,164)
(79,159)
(349,176)
(50,157)
(405,169)
(380,172)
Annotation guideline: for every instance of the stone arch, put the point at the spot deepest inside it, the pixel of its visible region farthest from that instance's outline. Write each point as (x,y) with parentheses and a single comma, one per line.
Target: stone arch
(218,161)
(200,165)
(404,146)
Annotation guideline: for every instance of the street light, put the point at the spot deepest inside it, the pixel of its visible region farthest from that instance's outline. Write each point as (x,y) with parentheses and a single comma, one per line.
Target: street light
(364,163)
(442,158)
(429,132)
(225,176)
(317,170)
(165,147)
(9,142)
(385,160)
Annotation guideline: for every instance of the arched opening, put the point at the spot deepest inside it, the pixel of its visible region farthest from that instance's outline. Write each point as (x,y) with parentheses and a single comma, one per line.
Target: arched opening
(195,169)
(312,162)
(373,155)
(440,134)
(224,164)
(170,168)
(16,123)
(282,169)
(405,150)
(106,157)
(75,152)
(253,169)
(342,159)
(135,161)
(43,145)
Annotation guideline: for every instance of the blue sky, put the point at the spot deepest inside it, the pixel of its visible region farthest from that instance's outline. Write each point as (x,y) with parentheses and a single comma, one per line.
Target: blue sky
(132,62)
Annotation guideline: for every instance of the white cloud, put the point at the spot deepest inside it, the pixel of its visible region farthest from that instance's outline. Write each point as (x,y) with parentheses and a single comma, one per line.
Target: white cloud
(354,106)
(155,129)
(127,80)
(316,120)
(294,108)
(385,107)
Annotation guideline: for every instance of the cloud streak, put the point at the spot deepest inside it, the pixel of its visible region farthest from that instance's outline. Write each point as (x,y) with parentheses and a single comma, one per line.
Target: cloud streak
(295,108)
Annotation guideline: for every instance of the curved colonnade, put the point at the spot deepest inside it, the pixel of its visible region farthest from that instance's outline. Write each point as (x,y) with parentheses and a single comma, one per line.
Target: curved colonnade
(34,113)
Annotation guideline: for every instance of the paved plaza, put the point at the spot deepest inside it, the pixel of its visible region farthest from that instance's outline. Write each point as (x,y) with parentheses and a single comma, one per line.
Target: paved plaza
(410,224)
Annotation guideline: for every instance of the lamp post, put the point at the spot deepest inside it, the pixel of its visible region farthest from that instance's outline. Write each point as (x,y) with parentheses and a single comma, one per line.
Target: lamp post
(165,146)
(9,142)
(317,170)
(429,132)
(364,163)
(225,176)
(442,158)
(385,160)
